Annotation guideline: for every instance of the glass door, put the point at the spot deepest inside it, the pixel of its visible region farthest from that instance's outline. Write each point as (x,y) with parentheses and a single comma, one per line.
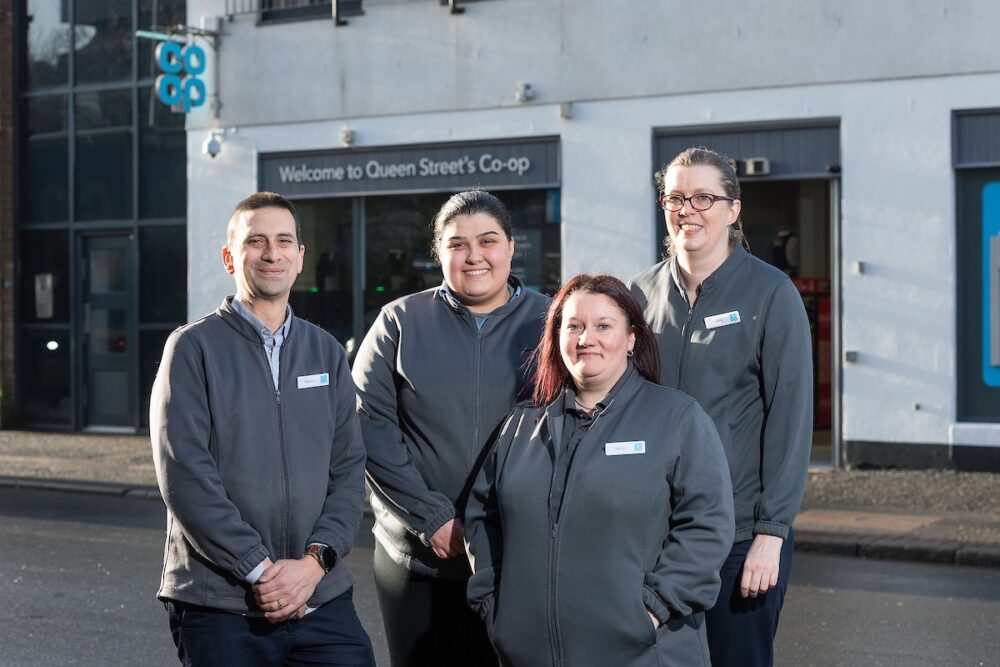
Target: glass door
(324,292)
(109,333)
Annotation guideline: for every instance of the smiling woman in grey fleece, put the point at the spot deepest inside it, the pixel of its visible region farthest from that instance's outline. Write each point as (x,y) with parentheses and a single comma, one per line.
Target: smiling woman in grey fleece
(598,523)
(436,375)
(733,334)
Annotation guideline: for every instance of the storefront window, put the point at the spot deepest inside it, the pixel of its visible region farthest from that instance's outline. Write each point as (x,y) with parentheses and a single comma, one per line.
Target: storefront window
(162,274)
(978,295)
(156,15)
(294,10)
(44,161)
(44,282)
(103,167)
(103,40)
(162,159)
(398,259)
(84,49)
(324,293)
(48,42)
(44,376)
(535,217)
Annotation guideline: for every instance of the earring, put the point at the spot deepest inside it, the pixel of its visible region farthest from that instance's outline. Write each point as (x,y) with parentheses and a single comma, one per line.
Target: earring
(629,354)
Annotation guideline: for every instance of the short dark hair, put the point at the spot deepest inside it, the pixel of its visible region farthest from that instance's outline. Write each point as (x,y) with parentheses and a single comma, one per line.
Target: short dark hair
(551,374)
(257,201)
(700,155)
(470,202)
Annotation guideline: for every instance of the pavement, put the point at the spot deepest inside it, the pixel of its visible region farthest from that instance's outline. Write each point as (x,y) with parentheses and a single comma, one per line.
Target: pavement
(926,515)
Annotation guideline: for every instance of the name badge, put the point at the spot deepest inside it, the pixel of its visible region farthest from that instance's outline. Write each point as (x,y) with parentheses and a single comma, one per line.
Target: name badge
(625,448)
(318,380)
(722,320)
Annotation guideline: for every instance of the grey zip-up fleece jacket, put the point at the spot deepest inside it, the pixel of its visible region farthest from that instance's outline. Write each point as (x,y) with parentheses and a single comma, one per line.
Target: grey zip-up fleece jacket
(432,390)
(247,472)
(751,372)
(564,574)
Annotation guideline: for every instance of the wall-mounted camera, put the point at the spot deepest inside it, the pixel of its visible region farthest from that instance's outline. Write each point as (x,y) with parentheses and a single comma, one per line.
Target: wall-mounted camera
(212,145)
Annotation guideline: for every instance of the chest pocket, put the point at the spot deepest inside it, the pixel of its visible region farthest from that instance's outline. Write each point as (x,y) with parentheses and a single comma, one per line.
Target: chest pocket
(618,487)
(724,353)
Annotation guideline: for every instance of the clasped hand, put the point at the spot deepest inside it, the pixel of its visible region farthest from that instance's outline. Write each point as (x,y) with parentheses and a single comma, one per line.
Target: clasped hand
(285,586)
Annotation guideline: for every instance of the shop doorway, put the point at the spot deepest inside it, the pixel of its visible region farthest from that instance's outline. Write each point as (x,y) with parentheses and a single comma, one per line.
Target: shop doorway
(789,172)
(789,224)
(364,252)
(108,333)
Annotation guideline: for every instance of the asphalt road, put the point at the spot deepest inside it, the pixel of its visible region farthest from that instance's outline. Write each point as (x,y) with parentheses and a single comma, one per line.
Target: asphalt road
(78,575)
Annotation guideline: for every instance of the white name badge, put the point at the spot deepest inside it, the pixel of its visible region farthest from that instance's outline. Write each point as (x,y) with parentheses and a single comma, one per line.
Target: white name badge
(625,448)
(722,320)
(318,380)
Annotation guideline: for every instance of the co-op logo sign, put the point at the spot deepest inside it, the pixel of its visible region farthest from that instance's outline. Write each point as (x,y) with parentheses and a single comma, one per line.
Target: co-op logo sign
(376,169)
(179,85)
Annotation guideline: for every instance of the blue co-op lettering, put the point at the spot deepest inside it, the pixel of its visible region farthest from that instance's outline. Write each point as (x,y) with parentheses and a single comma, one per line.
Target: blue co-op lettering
(179,84)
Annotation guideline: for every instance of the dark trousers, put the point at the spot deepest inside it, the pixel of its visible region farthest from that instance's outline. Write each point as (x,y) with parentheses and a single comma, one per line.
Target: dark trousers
(329,635)
(741,630)
(428,621)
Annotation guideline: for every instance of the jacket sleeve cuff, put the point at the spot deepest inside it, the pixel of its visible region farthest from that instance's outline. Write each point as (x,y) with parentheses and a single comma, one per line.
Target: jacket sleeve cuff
(655,604)
(771,528)
(432,525)
(249,563)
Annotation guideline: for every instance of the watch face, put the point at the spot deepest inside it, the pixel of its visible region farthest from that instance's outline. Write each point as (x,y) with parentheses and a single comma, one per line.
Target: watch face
(328,556)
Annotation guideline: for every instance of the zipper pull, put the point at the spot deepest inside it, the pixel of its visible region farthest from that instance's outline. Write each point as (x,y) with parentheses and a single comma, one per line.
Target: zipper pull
(277,395)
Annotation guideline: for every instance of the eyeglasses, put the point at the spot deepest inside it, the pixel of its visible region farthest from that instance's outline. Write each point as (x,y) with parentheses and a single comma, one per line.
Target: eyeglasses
(699,202)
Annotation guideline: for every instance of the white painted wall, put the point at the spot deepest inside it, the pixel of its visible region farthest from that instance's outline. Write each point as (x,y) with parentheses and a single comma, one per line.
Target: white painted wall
(898,207)
(411,56)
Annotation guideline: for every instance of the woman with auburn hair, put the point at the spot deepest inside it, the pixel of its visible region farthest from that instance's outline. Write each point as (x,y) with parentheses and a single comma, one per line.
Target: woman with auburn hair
(598,523)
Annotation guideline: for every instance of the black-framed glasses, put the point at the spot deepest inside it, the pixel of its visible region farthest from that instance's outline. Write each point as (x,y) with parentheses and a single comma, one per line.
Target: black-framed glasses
(699,202)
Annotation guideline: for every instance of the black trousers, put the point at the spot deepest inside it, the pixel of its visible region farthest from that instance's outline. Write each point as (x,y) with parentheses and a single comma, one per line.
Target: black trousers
(741,630)
(329,635)
(428,622)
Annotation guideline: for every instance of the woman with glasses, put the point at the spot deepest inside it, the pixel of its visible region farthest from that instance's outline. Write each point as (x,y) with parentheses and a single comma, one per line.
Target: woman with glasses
(599,521)
(733,333)
(436,375)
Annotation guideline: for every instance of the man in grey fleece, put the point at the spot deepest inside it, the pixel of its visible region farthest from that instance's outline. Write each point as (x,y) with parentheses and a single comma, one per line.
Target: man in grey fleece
(259,459)
(733,333)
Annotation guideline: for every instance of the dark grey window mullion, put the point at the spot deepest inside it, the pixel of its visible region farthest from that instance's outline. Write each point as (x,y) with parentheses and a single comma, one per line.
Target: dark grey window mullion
(99,87)
(133,322)
(358,233)
(75,342)
(162,222)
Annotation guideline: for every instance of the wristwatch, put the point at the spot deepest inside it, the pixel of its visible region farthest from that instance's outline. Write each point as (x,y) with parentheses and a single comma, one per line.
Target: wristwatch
(324,555)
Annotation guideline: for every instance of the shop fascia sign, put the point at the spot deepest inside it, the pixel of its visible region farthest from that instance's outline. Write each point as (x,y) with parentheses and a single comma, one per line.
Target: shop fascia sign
(374,168)
(180,84)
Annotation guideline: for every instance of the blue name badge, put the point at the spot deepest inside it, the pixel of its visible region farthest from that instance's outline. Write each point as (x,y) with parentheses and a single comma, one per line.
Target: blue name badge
(309,381)
(625,448)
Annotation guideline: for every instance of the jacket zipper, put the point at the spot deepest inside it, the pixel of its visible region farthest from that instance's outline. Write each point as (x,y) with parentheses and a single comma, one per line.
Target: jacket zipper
(554,631)
(285,538)
(477,407)
(553,597)
(684,342)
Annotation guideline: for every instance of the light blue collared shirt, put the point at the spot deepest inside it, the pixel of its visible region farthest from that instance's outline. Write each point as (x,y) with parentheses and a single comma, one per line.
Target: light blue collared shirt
(272,340)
